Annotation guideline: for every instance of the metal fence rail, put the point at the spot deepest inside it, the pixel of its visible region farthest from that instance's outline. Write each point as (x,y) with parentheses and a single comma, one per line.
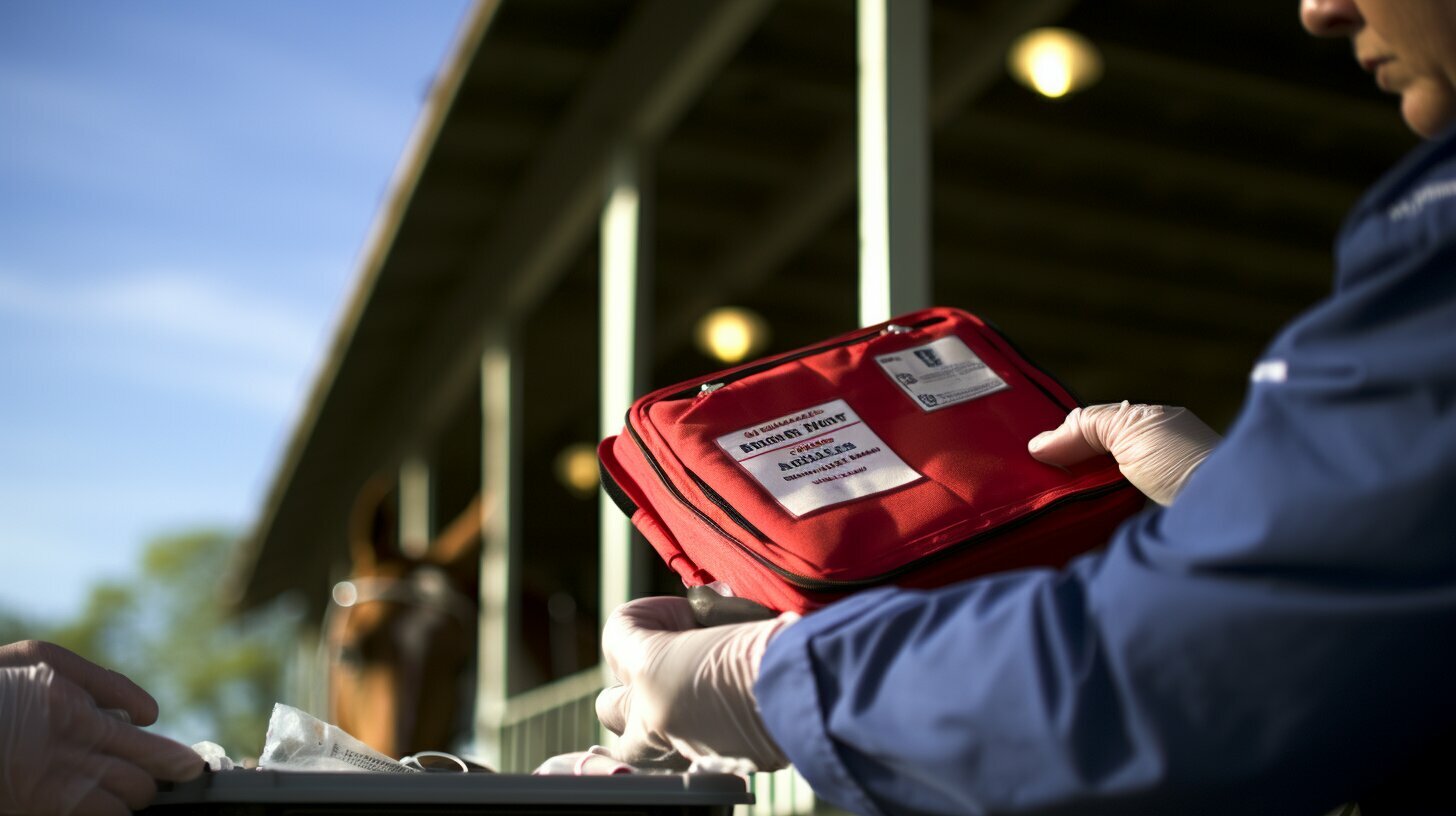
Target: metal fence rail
(556,718)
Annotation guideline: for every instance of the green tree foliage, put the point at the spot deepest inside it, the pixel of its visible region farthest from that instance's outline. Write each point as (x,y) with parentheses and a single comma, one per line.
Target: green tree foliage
(15,627)
(215,676)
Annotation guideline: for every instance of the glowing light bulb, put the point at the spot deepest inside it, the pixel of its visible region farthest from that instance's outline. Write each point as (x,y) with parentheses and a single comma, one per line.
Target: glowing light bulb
(1051,72)
(731,334)
(1054,62)
(576,468)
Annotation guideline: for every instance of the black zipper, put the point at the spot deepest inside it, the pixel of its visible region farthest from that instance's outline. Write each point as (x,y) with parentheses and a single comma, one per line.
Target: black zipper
(677,494)
(723,505)
(707,491)
(774,361)
(1005,338)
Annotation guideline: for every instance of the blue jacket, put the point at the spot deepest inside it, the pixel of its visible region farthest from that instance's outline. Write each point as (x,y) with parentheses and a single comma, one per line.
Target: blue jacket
(1281,639)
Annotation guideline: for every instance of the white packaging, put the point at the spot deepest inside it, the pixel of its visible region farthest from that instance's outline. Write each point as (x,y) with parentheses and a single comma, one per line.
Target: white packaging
(299,742)
(214,755)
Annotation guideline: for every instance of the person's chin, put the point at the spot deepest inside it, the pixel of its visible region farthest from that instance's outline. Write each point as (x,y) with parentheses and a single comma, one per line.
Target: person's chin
(1427,114)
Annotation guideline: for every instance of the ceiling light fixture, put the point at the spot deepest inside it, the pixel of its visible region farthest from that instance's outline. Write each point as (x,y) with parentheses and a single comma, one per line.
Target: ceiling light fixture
(576,469)
(1054,62)
(731,335)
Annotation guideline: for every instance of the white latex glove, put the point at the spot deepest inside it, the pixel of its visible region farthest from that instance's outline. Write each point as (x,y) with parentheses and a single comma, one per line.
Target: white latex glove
(1157,446)
(685,692)
(60,753)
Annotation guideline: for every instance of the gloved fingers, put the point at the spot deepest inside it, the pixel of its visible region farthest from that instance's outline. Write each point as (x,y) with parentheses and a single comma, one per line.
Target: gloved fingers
(1133,431)
(1129,432)
(132,785)
(643,751)
(1189,427)
(108,688)
(1115,428)
(86,739)
(67,780)
(1157,447)
(158,756)
(98,802)
(1068,443)
(613,706)
(73,720)
(661,613)
(631,627)
(112,689)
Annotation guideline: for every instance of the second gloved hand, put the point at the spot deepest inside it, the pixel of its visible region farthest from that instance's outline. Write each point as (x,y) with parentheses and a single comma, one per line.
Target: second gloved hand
(1157,447)
(61,754)
(686,692)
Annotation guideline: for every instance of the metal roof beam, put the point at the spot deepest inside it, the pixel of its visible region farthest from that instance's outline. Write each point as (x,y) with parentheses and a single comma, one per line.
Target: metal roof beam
(1207,174)
(249,580)
(656,69)
(815,197)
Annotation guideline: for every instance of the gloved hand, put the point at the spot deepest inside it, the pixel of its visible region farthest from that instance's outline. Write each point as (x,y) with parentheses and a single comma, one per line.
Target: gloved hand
(61,754)
(1157,446)
(685,692)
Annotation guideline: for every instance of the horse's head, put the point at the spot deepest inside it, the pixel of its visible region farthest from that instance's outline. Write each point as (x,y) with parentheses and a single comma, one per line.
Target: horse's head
(401,630)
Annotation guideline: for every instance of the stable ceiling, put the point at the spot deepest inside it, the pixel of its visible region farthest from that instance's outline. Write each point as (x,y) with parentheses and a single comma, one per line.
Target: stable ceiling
(1142,239)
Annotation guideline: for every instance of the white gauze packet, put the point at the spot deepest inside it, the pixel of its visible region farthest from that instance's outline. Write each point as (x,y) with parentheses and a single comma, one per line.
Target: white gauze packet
(299,742)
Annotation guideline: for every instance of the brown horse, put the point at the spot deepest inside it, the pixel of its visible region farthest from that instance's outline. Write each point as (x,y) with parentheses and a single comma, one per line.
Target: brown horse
(400,632)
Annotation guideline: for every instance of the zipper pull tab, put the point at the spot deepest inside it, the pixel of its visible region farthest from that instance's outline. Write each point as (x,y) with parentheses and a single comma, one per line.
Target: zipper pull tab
(894,328)
(708,388)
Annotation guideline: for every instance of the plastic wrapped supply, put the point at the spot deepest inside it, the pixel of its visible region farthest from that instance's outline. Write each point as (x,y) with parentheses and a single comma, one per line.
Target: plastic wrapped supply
(299,742)
(214,755)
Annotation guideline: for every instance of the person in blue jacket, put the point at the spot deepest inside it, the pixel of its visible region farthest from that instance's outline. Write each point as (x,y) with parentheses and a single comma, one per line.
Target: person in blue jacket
(1279,638)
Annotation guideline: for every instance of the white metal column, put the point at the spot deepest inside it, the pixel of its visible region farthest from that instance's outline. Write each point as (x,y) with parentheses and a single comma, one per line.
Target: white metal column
(626,289)
(499,587)
(894,148)
(416,525)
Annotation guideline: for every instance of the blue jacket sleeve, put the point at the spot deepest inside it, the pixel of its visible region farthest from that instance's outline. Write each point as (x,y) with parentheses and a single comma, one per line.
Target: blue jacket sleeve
(1277,641)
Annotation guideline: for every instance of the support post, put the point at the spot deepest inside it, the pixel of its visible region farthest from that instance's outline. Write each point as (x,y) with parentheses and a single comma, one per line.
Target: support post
(500,550)
(894,147)
(626,287)
(416,525)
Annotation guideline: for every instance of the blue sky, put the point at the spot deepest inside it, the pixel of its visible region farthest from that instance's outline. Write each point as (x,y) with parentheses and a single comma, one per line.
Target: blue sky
(185,188)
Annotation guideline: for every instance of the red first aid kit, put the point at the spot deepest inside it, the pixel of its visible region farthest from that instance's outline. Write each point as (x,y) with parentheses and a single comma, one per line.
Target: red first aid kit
(895,454)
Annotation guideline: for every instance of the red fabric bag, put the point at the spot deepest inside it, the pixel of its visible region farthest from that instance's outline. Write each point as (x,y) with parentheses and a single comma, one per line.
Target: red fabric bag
(891,454)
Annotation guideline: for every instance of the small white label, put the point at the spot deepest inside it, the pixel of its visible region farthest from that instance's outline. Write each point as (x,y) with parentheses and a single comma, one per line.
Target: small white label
(817,457)
(941,373)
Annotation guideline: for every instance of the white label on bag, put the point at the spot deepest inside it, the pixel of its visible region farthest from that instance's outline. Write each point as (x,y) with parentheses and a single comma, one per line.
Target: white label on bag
(941,373)
(817,457)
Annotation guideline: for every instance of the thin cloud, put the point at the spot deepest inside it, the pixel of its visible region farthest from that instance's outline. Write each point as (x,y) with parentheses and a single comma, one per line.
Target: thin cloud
(179,333)
(191,309)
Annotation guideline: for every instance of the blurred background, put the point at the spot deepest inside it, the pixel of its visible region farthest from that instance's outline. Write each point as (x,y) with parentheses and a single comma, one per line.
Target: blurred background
(185,191)
(211,355)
